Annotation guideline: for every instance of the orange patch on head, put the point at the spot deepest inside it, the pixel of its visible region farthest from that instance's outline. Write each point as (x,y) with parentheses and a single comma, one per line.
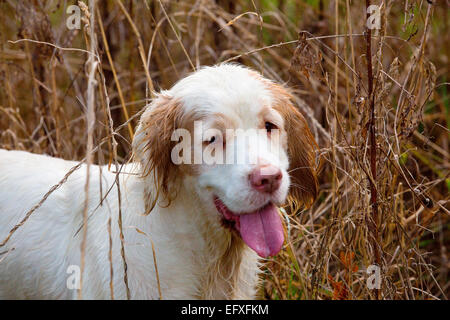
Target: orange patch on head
(153,145)
(301,146)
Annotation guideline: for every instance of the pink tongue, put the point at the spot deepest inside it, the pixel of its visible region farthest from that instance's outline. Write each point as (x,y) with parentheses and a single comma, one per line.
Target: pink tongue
(262,231)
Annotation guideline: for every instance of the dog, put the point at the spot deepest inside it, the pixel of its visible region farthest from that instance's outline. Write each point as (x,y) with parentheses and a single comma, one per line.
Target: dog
(177,222)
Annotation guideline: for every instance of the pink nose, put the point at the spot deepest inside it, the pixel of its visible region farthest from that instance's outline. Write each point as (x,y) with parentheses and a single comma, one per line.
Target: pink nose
(266,178)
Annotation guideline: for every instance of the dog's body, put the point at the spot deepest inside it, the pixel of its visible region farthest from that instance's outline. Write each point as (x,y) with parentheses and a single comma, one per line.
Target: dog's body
(48,243)
(196,255)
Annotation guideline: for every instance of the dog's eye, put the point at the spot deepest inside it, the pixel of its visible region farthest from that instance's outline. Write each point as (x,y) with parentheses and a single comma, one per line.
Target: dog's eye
(216,139)
(213,138)
(270,126)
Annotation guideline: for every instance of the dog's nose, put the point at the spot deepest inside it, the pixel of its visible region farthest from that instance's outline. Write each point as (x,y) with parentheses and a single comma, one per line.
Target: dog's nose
(266,178)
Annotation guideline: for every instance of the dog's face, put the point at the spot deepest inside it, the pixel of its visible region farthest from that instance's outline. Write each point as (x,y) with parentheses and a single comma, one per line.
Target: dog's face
(237,140)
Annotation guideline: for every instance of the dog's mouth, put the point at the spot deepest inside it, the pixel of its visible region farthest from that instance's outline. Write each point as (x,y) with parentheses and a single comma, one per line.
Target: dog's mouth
(261,229)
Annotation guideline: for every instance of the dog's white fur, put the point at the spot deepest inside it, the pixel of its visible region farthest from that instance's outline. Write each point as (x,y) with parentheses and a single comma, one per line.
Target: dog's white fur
(196,256)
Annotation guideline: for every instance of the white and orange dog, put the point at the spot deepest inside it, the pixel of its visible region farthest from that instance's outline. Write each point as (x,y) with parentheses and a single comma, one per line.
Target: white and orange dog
(208,221)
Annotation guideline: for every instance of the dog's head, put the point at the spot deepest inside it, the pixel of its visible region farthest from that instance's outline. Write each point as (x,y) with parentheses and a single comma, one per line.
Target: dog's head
(237,140)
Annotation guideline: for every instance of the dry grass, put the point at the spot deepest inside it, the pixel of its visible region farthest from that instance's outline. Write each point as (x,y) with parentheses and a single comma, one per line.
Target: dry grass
(380,114)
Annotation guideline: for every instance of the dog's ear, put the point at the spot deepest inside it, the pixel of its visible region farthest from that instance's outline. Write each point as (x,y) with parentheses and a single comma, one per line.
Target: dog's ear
(152,144)
(301,148)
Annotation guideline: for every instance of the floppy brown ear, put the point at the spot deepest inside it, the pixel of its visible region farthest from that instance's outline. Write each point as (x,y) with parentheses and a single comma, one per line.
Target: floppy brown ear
(301,148)
(152,143)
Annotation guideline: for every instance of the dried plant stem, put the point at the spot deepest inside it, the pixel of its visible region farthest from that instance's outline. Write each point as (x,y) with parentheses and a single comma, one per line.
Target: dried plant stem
(336,59)
(90,124)
(117,182)
(176,35)
(140,46)
(373,224)
(39,204)
(122,240)
(111,269)
(113,69)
